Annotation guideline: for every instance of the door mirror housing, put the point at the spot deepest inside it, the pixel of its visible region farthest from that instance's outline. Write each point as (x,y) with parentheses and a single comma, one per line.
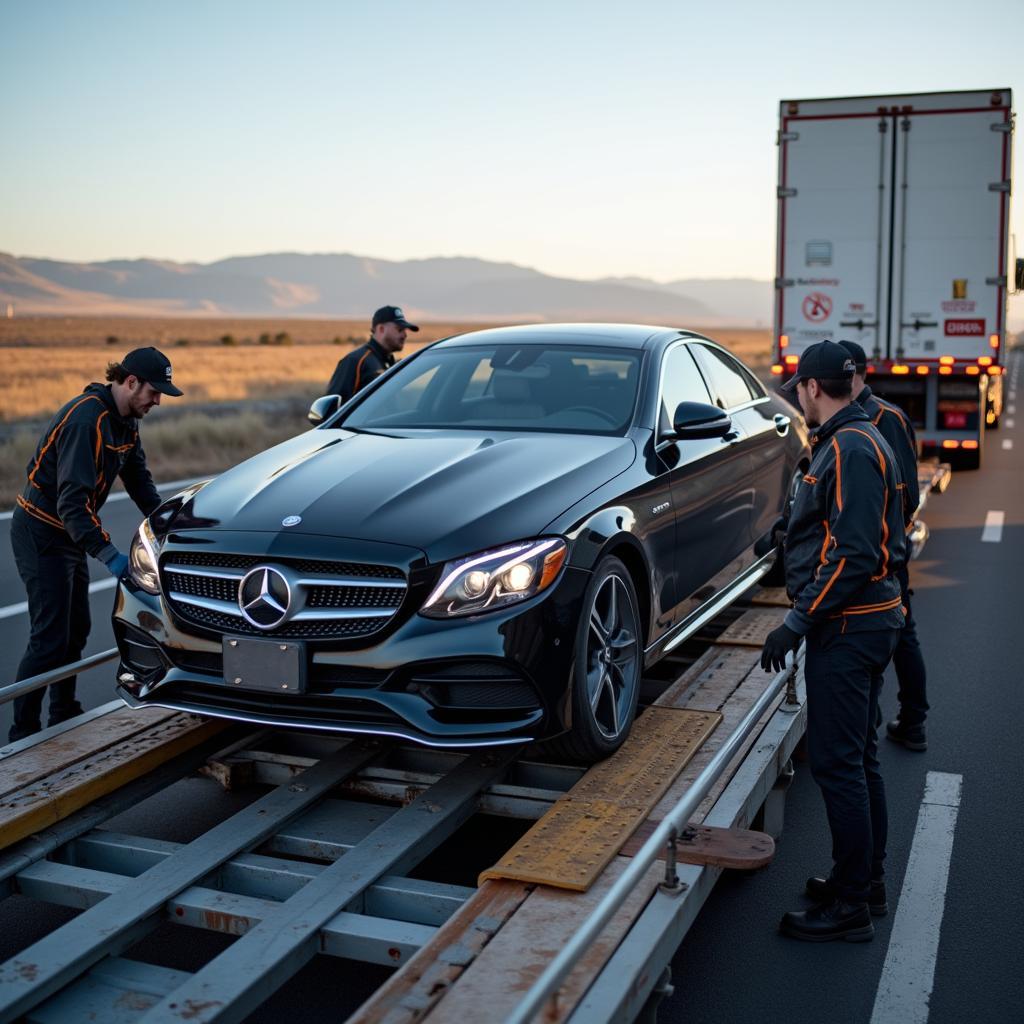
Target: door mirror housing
(694,420)
(323,409)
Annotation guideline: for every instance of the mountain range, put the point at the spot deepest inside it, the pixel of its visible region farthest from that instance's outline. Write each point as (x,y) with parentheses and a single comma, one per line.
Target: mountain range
(344,285)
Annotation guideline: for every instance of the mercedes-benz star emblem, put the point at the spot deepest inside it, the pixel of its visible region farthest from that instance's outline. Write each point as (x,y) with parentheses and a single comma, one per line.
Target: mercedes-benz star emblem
(264,597)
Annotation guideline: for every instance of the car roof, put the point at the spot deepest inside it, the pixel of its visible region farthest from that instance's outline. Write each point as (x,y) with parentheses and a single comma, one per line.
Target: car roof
(590,335)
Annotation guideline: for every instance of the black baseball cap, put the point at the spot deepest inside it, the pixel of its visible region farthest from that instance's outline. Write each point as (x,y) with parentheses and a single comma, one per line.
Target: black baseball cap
(860,357)
(152,366)
(825,360)
(392,315)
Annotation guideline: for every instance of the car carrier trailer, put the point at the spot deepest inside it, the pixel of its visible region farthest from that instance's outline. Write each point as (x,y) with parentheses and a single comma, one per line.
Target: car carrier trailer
(893,232)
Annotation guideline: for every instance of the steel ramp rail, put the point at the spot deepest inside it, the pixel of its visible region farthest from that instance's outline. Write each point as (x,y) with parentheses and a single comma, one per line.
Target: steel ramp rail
(126,915)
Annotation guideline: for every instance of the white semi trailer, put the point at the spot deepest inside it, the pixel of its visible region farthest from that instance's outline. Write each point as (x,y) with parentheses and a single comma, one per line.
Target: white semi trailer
(893,232)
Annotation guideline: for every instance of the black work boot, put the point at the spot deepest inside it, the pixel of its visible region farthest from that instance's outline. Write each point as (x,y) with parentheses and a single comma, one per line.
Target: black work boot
(911,736)
(821,891)
(826,922)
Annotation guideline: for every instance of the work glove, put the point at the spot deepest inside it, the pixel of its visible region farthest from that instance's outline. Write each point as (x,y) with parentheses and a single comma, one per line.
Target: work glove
(777,644)
(115,561)
(773,538)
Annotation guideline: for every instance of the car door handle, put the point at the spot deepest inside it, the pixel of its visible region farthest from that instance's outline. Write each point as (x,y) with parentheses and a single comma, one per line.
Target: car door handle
(781,424)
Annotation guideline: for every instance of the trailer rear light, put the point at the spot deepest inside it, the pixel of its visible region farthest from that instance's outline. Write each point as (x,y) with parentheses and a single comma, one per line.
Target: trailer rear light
(777,369)
(899,368)
(984,360)
(995,371)
(950,444)
(973,370)
(993,340)
(945,370)
(946,360)
(783,341)
(923,370)
(791,360)
(871,368)
(969,444)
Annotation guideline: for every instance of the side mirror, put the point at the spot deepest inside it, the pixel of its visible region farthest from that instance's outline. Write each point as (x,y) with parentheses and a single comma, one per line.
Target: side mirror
(323,408)
(1018,275)
(698,419)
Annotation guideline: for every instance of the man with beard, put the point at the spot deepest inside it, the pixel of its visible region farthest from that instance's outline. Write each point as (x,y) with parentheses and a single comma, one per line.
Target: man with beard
(844,543)
(363,364)
(91,440)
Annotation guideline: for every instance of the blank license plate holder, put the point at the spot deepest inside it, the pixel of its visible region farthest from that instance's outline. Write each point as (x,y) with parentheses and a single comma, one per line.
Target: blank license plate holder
(271,666)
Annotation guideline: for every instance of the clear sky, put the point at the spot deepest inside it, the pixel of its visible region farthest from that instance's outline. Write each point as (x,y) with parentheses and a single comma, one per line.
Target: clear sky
(582,138)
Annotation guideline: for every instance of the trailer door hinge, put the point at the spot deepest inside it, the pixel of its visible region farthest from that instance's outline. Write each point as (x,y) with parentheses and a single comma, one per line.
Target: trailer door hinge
(999,282)
(788,193)
(1002,126)
(784,282)
(999,186)
(786,137)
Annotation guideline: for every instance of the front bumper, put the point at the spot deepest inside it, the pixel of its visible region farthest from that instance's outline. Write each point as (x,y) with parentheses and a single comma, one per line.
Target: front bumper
(483,680)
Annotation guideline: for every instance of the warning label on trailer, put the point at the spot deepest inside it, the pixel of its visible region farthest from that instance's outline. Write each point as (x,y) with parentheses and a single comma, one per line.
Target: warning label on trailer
(965,328)
(817,307)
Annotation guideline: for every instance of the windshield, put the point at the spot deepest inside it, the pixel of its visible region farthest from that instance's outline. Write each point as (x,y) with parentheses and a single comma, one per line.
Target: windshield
(507,387)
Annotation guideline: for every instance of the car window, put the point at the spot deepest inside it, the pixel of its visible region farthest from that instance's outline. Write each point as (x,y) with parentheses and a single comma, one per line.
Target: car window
(506,387)
(731,382)
(681,382)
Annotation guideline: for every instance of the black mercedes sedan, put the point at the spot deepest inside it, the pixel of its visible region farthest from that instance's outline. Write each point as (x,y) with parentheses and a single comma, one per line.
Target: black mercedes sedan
(489,544)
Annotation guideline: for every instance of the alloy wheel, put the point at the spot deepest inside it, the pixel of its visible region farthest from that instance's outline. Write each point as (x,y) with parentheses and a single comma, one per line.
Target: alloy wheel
(612,657)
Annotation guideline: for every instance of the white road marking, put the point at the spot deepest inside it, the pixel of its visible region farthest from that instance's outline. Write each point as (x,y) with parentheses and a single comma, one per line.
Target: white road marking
(1007,444)
(993,532)
(22,606)
(1011,410)
(909,971)
(172,485)
(1010,424)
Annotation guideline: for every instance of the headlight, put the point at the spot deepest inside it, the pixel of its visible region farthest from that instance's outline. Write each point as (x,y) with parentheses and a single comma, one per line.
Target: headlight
(495,579)
(142,559)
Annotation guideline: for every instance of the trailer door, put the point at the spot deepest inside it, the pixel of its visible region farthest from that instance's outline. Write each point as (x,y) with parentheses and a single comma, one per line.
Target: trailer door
(834,210)
(949,233)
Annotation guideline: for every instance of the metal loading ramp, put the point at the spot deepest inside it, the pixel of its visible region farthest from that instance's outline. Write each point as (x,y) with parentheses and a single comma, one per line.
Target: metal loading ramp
(324,862)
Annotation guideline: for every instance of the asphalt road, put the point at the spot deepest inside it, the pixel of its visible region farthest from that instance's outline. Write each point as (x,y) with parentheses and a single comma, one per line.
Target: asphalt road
(733,966)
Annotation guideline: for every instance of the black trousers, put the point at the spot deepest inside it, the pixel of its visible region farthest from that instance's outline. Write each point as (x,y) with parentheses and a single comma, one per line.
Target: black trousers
(909,664)
(56,577)
(844,673)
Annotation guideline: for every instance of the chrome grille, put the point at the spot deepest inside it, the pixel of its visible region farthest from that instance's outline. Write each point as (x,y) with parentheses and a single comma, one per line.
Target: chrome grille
(342,600)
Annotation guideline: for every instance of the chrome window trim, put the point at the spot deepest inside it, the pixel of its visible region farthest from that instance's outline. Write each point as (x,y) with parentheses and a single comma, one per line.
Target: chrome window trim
(743,405)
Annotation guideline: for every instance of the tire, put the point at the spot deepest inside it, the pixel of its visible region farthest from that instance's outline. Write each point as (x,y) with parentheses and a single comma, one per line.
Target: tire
(607,665)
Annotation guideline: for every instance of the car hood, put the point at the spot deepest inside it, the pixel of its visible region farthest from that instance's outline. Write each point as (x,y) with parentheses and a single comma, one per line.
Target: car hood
(446,493)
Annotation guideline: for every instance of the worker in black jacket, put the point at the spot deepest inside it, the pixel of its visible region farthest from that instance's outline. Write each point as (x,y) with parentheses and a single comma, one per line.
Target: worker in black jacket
(844,542)
(91,441)
(895,426)
(369,361)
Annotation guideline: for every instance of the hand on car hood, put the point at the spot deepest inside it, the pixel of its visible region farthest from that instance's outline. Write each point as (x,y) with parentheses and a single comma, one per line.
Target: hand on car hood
(445,493)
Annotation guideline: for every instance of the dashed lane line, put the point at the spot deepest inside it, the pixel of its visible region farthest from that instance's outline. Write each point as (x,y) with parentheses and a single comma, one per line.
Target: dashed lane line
(908,974)
(993,531)
(22,606)
(1007,444)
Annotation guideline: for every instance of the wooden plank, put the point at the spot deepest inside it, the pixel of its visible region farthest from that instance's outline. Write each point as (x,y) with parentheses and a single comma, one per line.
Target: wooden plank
(529,940)
(736,848)
(772,597)
(54,754)
(40,804)
(725,671)
(572,844)
(749,630)
(409,994)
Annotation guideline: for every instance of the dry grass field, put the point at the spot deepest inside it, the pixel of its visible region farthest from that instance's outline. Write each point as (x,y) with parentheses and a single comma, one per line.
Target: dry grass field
(44,361)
